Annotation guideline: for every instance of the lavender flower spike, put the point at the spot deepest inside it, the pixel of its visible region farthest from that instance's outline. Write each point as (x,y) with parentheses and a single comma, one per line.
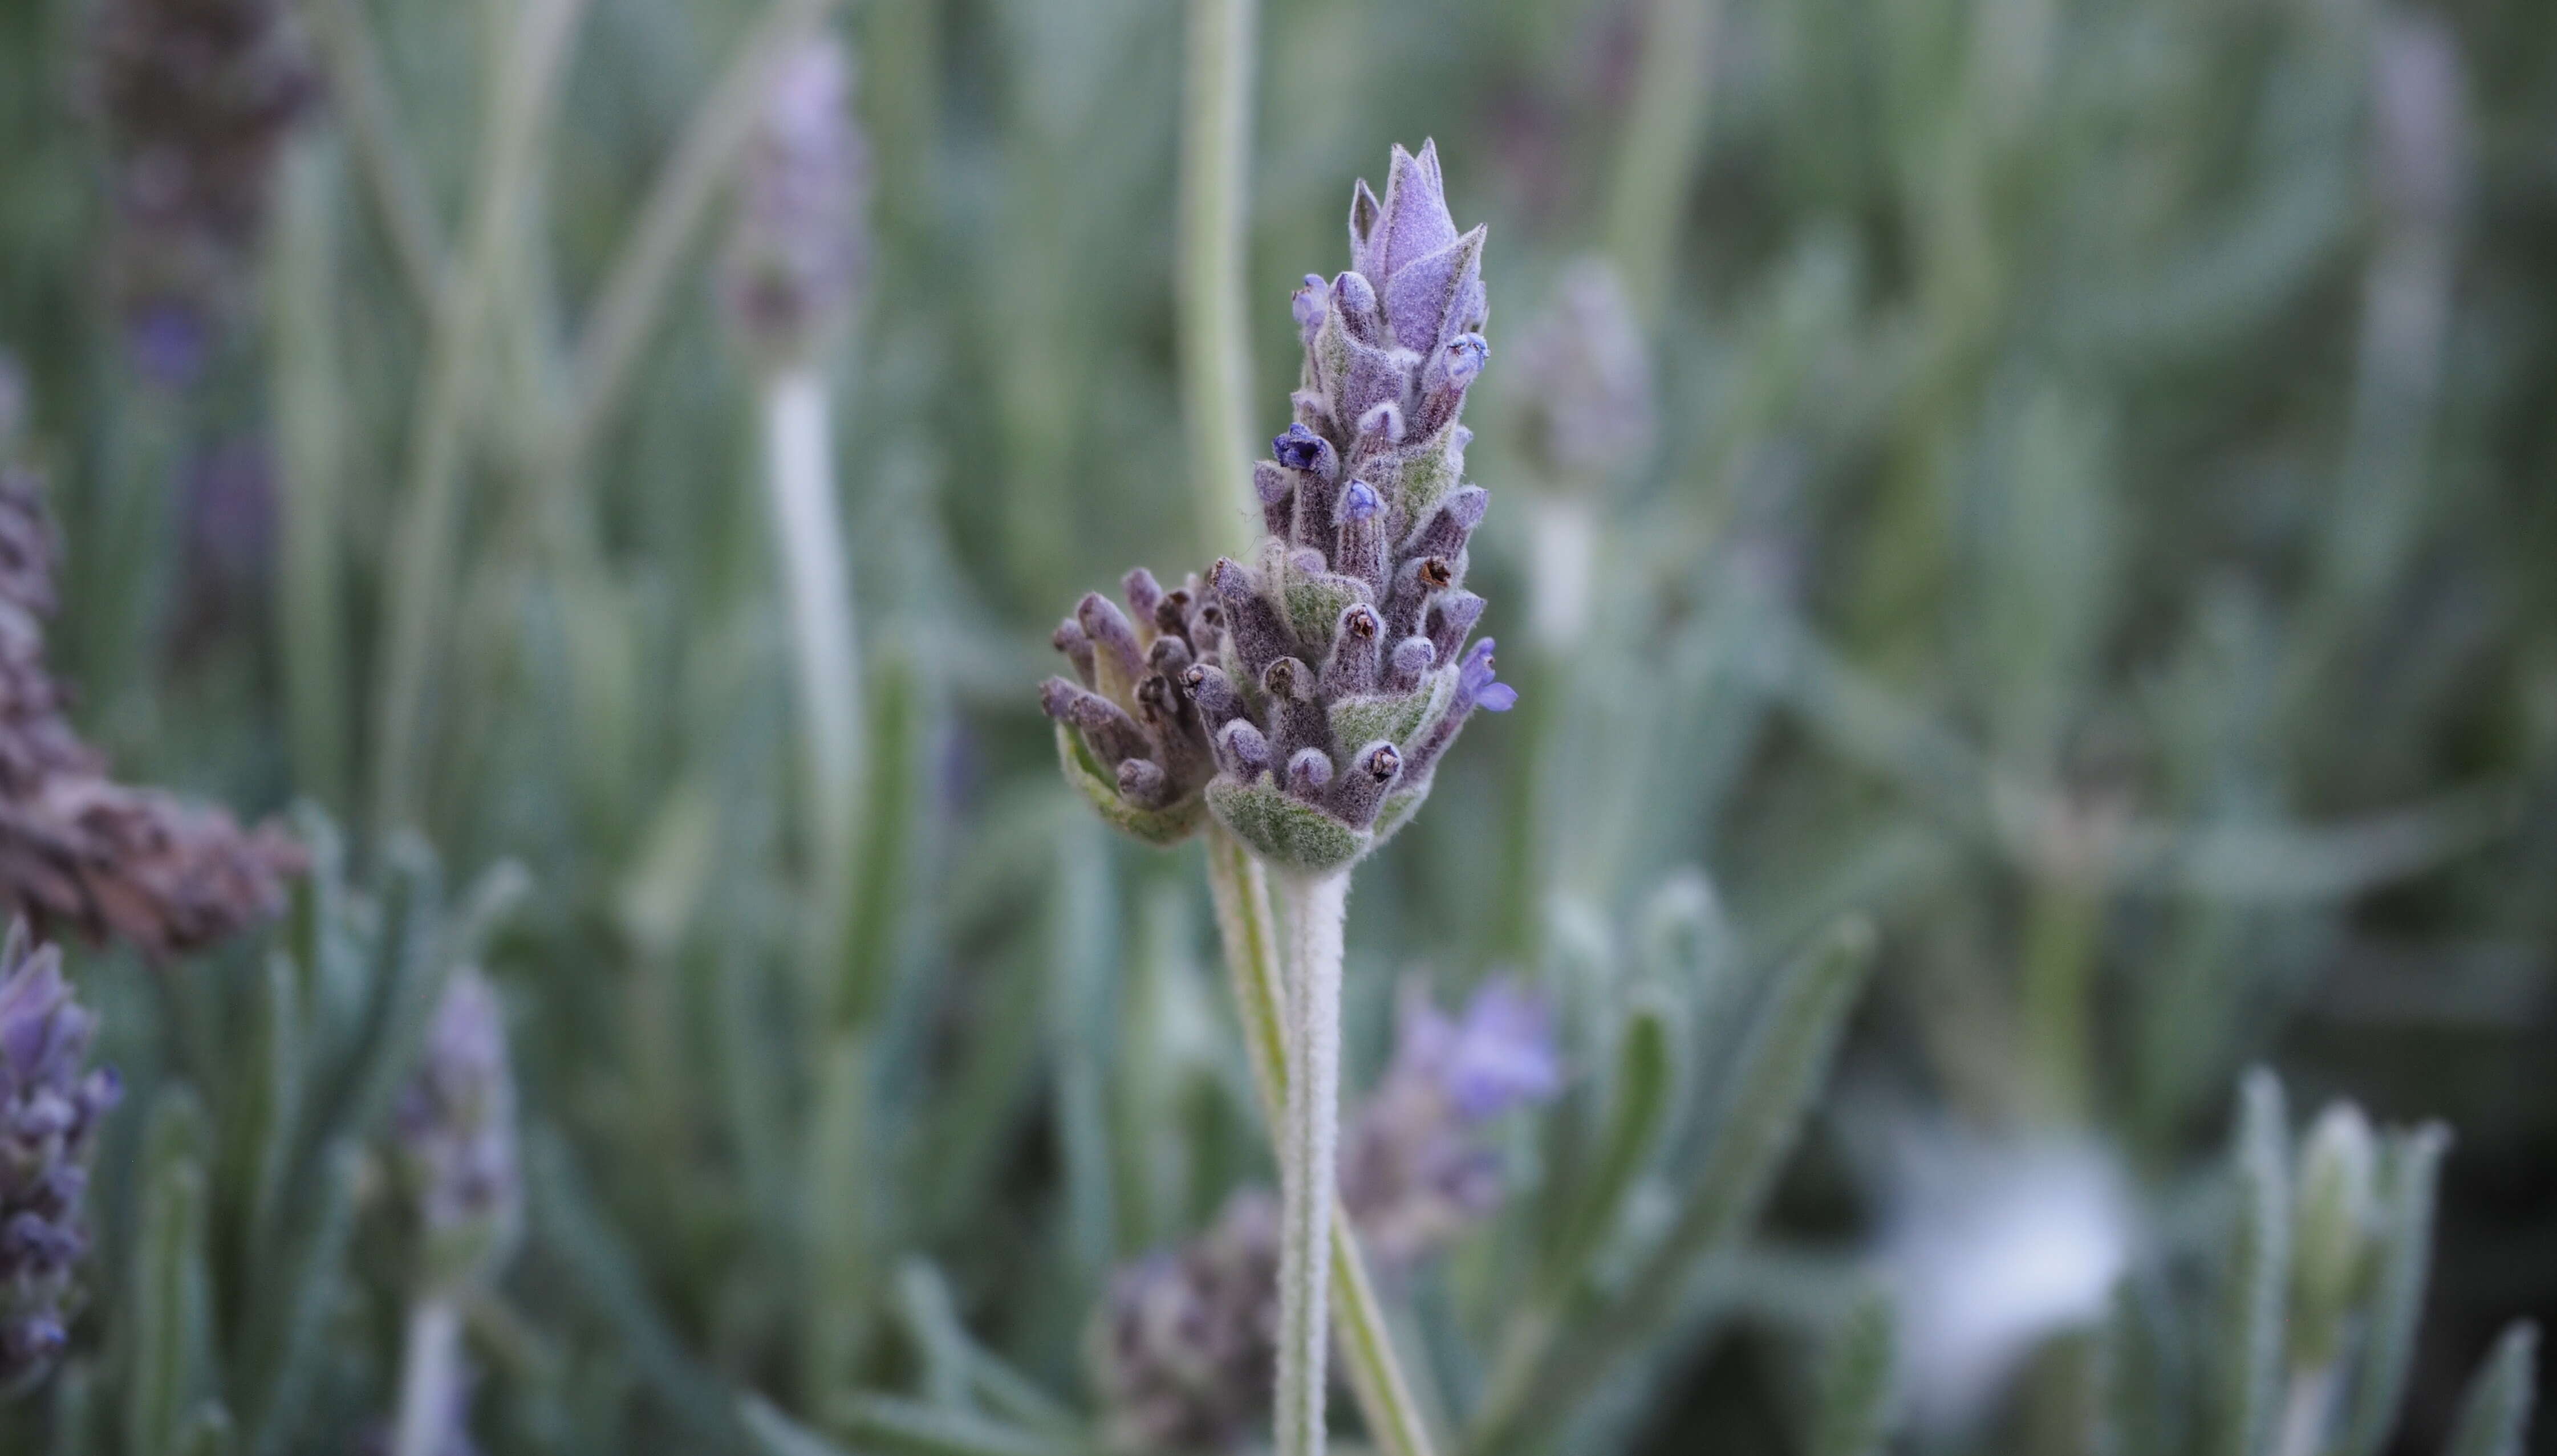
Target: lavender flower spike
(795,265)
(49,1115)
(1182,1344)
(1364,505)
(456,1129)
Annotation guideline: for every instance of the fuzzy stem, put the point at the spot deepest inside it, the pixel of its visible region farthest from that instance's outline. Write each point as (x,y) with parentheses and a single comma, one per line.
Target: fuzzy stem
(427,1373)
(808,540)
(1250,932)
(1308,1151)
(1216,150)
(2307,1411)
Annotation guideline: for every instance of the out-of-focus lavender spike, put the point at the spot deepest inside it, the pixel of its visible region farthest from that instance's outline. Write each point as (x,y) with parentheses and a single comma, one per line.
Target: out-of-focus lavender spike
(1309,773)
(798,258)
(50,1109)
(1108,627)
(1412,657)
(1372,775)
(1069,640)
(454,1124)
(1451,616)
(1357,644)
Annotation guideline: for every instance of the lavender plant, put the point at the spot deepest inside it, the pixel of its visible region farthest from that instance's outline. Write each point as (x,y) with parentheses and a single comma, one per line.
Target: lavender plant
(50,1107)
(1305,699)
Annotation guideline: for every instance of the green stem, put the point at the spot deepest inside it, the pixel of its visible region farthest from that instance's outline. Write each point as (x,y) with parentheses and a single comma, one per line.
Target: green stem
(1307,1154)
(427,1370)
(311,455)
(422,545)
(808,541)
(2063,924)
(361,93)
(1215,349)
(1250,932)
(1664,133)
(634,290)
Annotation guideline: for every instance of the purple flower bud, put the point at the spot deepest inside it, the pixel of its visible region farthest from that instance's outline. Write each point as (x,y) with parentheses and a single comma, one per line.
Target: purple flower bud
(1309,772)
(1309,304)
(1412,657)
(1414,1168)
(1298,448)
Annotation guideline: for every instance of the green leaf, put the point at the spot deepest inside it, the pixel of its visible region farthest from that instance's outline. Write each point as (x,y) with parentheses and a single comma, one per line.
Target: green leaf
(1856,1388)
(2255,1285)
(1285,832)
(2495,1414)
(169,1292)
(1166,826)
(888,1424)
(2410,1167)
(1398,719)
(776,1434)
(1643,1081)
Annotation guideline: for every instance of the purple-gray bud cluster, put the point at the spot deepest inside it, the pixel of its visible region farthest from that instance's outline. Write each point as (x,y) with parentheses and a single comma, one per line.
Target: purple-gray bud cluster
(196,96)
(455,1128)
(1319,684)
(1584,398)
(797,259)
(1185,1339)
(1183,1343)
(49,1108)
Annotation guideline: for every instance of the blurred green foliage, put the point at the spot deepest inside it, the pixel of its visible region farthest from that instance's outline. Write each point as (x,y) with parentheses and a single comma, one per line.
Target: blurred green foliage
(2099,527)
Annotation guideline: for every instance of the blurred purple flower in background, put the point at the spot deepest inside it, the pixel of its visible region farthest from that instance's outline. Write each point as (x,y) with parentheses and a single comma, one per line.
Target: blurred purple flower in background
(50,1109)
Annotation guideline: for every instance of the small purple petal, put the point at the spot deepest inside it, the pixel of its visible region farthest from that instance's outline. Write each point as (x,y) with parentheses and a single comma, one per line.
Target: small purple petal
(1360,501)
(1497,698)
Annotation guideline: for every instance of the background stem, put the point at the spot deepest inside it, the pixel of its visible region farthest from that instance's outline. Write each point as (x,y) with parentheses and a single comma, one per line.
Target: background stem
(1216,148)
(427,1370)
(808,543)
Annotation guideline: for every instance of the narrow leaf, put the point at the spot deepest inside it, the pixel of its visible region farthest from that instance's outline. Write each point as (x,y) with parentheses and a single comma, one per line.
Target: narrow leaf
(2255,1285)
(1856,1389)
(2495,1414)
(2408,1171)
